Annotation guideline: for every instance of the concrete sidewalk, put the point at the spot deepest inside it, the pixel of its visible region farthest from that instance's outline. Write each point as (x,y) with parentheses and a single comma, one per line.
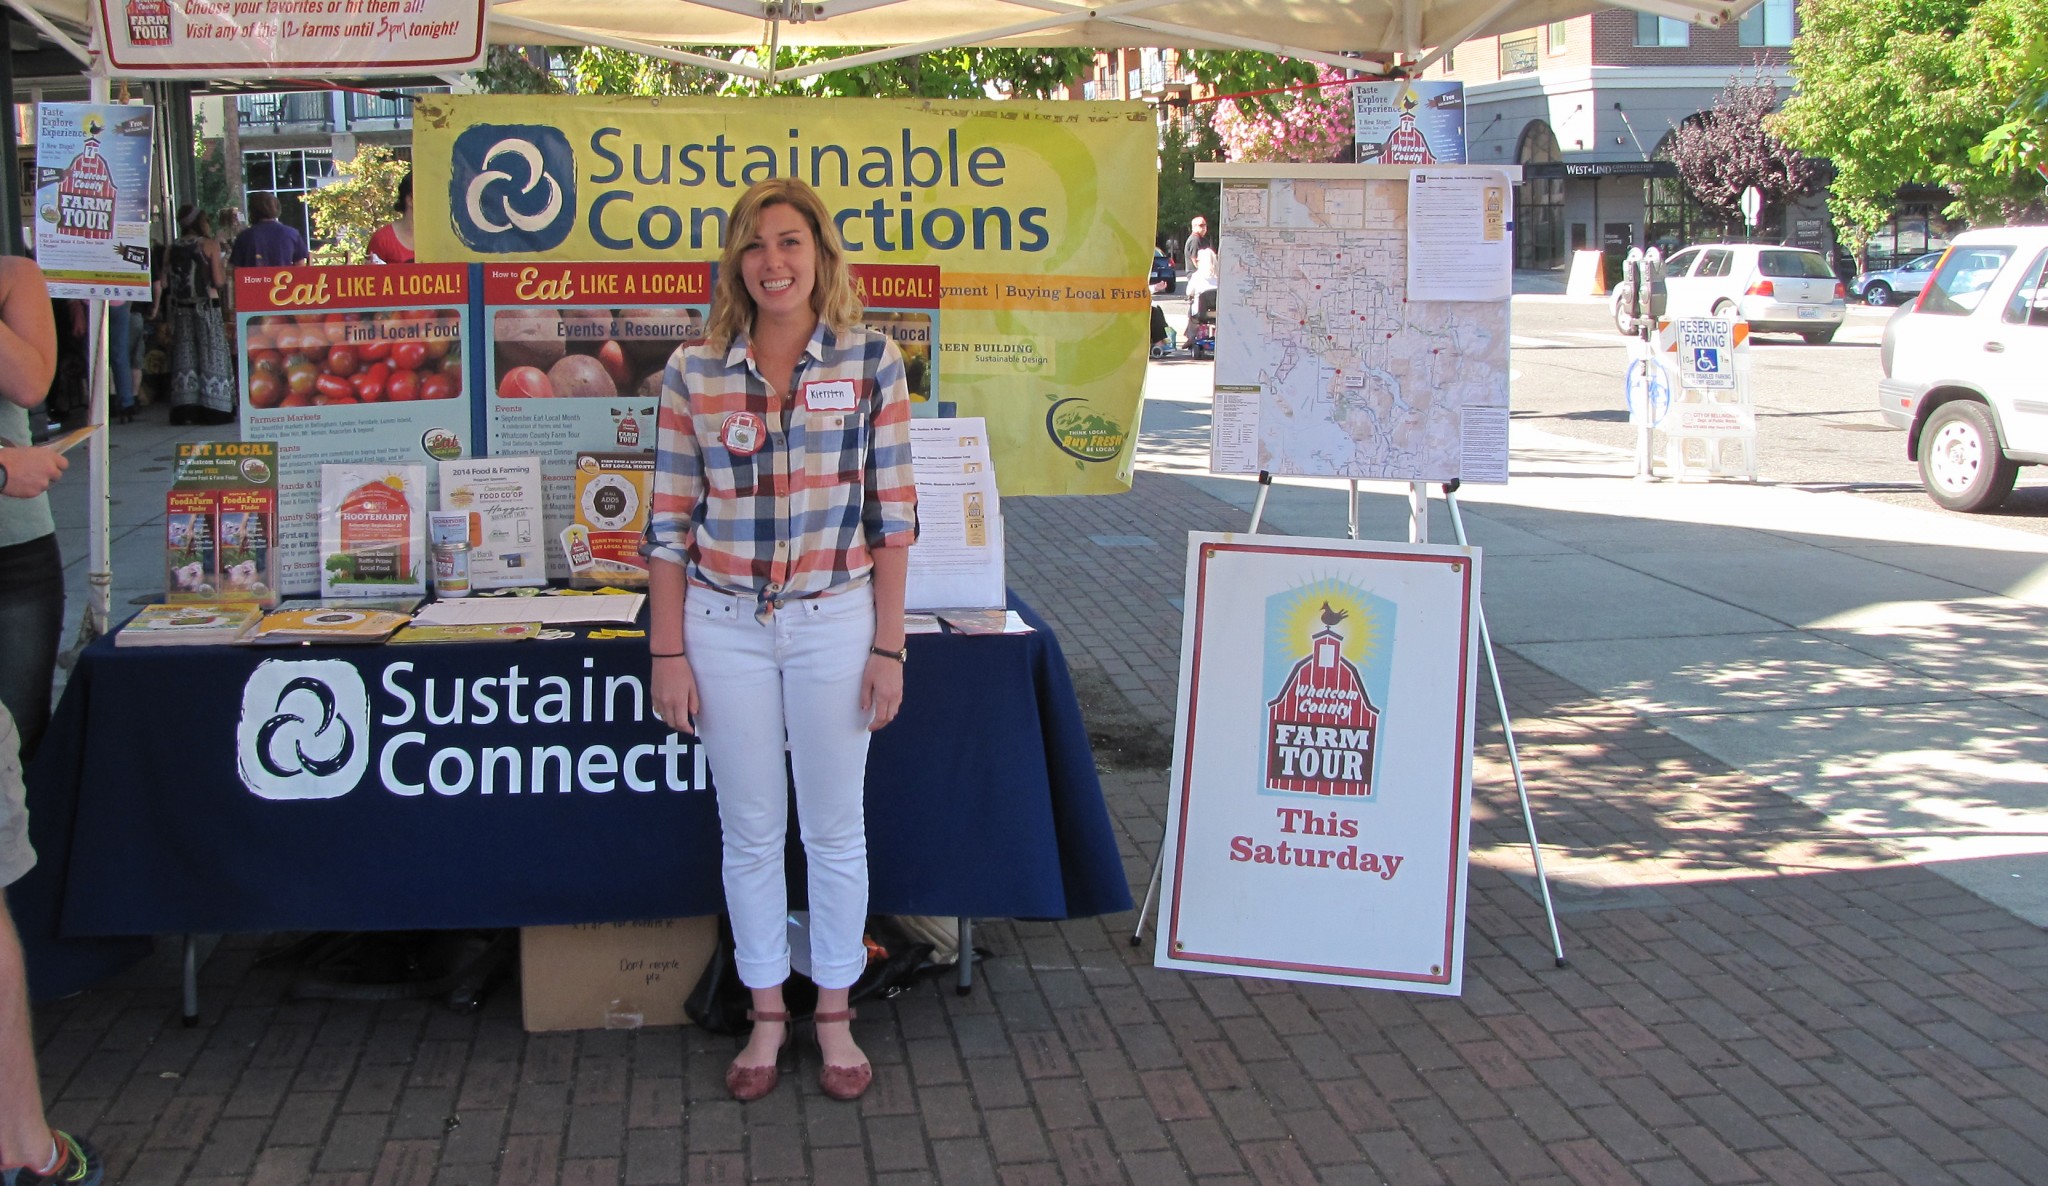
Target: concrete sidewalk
(1770,737)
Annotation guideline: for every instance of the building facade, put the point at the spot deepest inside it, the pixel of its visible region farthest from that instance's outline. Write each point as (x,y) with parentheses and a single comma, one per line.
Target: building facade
(1586,105)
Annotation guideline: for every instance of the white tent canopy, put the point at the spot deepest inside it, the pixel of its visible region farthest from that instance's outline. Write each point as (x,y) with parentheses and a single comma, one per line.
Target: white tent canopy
(1312,30)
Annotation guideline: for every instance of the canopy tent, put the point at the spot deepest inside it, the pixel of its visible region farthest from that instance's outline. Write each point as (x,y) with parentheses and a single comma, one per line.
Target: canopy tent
(1311,30)
(1321,31)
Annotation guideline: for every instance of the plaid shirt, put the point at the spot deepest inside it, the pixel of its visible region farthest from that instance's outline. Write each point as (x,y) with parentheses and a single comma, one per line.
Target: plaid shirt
(781,498)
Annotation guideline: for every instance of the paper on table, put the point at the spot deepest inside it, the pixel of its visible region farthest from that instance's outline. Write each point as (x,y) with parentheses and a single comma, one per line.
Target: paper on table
(1484,440)
(958,560)
(553,611)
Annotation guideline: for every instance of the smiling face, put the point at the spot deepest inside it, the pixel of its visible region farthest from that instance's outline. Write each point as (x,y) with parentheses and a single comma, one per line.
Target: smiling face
(780,266)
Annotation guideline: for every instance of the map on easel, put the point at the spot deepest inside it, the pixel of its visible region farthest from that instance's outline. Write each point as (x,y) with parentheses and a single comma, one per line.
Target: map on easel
(1324,366)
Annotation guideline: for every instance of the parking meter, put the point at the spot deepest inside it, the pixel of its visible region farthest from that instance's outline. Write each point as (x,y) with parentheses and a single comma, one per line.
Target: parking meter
(1650,295)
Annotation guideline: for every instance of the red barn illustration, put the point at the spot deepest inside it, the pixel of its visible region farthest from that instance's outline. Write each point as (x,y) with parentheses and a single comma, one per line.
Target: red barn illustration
(376,529)
(85,195)
(1321,730)
(1408,146)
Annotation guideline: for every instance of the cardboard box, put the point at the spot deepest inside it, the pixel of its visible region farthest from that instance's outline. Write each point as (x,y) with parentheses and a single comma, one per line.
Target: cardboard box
(620,975)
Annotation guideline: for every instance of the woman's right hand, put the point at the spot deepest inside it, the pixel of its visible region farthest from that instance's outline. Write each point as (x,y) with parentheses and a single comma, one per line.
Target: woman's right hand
(673,692)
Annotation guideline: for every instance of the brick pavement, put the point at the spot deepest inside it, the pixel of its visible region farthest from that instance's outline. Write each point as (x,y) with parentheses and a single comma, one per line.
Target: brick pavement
(1751,999)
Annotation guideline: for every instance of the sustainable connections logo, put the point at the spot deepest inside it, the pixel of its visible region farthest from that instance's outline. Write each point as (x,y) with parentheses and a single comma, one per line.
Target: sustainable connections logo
(306,732)
(514,188)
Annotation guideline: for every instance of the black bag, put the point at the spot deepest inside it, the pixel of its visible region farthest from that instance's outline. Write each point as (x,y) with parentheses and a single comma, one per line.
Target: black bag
(719,1002)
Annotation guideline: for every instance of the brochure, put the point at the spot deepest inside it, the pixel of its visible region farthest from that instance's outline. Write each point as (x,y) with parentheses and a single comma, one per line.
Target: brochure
(602,545)
(220,524)
(373,530)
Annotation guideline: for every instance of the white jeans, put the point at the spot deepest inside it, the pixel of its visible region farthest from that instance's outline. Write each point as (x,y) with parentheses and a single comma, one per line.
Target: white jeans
(796,677)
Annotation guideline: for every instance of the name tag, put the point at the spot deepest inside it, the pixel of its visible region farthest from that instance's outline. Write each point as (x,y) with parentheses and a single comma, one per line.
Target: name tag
(836,396)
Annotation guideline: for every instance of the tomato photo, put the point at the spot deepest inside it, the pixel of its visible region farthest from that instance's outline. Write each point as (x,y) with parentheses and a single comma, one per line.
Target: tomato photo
(437,386)
(408,355)
(299,377)
(525,383)
(402,386)
(332,388)
(342,360)
(264,389)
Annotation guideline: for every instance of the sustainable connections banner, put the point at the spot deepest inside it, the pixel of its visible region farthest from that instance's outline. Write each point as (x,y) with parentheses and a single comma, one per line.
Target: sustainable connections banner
(1034,213)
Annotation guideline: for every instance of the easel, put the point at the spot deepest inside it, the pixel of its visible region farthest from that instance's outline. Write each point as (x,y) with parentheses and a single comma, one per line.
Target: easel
(1418,533)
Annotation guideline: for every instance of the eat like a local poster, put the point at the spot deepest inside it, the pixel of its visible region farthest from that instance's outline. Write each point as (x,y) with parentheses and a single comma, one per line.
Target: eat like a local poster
(91,213)
(357,364)
(1321,796)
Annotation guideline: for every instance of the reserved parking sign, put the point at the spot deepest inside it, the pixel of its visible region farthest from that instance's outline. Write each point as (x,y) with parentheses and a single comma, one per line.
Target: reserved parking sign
(1706,353)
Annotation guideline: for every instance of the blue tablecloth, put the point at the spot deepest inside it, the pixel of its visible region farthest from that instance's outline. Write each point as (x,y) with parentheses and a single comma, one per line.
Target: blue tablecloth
(149,809)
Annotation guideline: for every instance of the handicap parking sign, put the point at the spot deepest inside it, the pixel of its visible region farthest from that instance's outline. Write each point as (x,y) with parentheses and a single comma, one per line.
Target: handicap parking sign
(1706,360)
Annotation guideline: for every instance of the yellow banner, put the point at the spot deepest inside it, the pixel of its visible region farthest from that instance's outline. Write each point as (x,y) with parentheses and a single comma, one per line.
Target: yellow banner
(1040,214)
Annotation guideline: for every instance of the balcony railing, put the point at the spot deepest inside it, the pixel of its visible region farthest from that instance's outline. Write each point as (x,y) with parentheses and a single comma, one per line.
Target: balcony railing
(295,109)
(1518,57)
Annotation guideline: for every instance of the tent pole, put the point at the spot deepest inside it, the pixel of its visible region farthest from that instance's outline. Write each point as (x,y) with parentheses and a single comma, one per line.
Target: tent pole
(99,579)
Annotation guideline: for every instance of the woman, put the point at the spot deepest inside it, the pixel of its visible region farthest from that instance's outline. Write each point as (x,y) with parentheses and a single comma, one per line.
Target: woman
(202,371)
(789,413)
(392,242)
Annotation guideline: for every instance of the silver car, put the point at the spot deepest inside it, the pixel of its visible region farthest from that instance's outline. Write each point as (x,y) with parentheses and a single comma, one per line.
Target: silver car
(1893,285)
(1778,290)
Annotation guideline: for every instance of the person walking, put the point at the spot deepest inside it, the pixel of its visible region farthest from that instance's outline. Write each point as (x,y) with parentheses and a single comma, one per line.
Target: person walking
(782,516)
(202,371)
(31,622)
(267,243)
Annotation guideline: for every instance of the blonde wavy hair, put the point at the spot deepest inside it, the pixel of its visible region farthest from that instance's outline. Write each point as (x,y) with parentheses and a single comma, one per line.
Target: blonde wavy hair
(833,296)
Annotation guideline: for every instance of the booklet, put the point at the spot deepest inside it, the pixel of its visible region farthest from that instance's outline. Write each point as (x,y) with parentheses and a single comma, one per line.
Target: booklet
(373,529)
(188,625)
(325,626)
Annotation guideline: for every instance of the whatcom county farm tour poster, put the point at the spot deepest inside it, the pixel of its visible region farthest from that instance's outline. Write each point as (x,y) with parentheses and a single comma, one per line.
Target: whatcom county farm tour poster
(91,213)
(1041,230)
(266,38)
(1321,793)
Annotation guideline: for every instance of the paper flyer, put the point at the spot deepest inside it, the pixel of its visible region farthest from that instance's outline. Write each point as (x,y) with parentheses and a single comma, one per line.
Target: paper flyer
(957,561)
(91,214)
(350,365)
(504,494)
(577,354)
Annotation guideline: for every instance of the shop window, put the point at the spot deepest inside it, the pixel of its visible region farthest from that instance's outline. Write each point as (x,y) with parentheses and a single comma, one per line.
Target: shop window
(1557,36)
(1768,24)
(1539,202)
(1661,32)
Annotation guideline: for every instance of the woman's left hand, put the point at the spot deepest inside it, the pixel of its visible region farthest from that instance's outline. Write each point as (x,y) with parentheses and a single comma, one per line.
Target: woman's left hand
(881,691)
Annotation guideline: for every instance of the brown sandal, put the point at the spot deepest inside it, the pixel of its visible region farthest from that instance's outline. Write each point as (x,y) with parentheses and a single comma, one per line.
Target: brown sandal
(842,1083)
(747,1084)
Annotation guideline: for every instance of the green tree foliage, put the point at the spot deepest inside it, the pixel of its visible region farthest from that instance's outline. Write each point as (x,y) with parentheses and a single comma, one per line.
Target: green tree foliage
(516,70)
(213,194)
(1182,144)
(1900,92)
(1243,72)
(964,73)
(2021,142)
(349,209)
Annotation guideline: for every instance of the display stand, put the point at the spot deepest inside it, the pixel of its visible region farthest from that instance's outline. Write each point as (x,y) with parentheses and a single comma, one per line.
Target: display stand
(1418,533)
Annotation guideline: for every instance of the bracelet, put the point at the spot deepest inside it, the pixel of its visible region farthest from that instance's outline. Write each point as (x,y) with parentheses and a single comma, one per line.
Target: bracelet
(670,655)
(901,656)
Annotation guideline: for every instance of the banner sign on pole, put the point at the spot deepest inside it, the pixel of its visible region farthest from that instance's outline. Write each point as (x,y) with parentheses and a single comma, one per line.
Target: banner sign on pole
(1030,209)
(1408,122)
(264,38)
(91,212)
(1322,767)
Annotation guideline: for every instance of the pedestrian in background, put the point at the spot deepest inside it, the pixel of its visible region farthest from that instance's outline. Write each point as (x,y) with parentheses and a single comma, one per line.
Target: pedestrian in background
(392,242)
(267,243)
(202,371)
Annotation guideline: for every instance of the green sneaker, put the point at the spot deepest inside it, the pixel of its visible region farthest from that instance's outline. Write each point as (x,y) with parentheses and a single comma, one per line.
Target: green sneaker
(78,1164)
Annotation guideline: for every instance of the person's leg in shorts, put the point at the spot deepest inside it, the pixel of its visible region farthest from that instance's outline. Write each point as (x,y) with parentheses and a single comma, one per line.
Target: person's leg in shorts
(28,1145)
